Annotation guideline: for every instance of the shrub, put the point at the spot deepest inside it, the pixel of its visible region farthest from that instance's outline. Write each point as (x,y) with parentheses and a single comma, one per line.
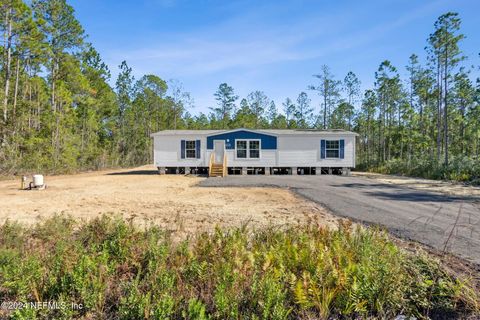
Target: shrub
(115,270)
(462,169)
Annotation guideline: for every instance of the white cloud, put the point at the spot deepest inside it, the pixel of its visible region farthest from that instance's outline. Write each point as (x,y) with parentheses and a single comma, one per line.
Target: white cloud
(247,45)
(237,43)
(199,57)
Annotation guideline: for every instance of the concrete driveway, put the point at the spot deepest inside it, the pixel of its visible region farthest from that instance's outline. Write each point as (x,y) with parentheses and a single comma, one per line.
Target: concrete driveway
(450,223)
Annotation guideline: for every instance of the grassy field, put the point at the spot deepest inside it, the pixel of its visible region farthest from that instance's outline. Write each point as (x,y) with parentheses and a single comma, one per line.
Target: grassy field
(459,169)
(112,269)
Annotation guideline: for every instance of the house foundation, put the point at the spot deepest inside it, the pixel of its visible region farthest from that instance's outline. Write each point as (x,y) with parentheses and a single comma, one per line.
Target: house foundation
(267,171)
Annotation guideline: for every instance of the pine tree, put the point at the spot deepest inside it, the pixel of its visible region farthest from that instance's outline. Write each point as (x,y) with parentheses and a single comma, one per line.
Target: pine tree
(351,86)
(180,101)
(258,103)
(329,90)
(303,111)
(245,117)
(124,90)
(444,43)
(289,110)
(225,96)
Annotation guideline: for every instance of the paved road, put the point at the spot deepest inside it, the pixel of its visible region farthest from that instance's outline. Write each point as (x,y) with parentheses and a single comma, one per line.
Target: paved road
(422,216)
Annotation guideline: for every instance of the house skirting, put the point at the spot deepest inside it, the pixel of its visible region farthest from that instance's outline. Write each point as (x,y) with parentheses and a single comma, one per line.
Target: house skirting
(259,170)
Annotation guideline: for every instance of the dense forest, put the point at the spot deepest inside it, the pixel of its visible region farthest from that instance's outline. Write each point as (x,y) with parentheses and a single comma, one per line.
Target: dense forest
(61,111)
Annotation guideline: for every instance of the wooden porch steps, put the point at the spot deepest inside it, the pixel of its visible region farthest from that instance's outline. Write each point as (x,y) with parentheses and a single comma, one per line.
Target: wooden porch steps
(216,171)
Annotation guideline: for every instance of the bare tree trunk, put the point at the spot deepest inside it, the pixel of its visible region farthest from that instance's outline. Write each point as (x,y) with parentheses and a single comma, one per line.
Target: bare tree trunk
(445,107)
(8,50)
(368,140)
(84,116)
(477,147)
(422,126)
(464,150)
(57,135)
(401,129)
(381,140)
(385,132)
(325,109)
(31,113)
(439,110)
(175,118)
(38,122)
(52,98)
(17,76)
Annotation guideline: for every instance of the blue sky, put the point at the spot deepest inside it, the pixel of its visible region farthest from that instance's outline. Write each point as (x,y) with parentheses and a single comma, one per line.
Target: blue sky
(273,46)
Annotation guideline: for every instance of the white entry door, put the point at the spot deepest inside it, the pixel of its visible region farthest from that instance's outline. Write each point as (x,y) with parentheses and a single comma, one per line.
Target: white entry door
(219,150)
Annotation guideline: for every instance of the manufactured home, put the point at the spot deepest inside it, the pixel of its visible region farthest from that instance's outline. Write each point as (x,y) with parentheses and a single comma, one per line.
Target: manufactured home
(251,151)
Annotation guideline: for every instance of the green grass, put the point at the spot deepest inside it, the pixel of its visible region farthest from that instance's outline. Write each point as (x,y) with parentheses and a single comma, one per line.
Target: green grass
(118,271)
(460,169)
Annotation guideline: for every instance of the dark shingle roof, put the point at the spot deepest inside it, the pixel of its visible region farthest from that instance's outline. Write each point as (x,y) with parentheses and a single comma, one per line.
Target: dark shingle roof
(271,131)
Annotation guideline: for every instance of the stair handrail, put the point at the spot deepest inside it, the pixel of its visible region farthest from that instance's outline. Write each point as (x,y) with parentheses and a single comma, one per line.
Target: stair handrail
(210,165)
(224,173)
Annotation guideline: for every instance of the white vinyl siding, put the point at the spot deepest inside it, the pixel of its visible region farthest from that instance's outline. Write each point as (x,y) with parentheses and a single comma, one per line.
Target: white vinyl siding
(268,159)
(293,151)
(304,151)
(167,152)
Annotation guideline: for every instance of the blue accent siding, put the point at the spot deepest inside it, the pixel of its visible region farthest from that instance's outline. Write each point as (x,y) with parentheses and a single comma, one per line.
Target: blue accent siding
(322,149)
(268,142)
(197,148)
(342,149)
(182,149)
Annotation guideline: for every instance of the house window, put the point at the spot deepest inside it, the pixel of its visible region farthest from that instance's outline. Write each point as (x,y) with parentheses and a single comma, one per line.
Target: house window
(190,149)
(241,149)
(254,149)
(248,149)
(332,148)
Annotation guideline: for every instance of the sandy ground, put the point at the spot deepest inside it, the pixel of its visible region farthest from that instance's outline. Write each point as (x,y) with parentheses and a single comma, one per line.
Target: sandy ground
(171,201)
(446,187)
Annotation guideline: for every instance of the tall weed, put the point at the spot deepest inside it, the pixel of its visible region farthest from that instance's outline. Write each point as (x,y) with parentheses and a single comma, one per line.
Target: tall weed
(115,270)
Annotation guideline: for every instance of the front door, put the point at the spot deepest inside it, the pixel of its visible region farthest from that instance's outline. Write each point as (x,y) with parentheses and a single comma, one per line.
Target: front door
(219,150)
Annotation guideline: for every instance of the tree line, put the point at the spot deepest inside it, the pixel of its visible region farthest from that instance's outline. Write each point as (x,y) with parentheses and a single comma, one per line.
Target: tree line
(60,113)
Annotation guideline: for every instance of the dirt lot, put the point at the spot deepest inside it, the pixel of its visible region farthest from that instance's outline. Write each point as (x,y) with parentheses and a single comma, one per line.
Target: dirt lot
(172,201)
